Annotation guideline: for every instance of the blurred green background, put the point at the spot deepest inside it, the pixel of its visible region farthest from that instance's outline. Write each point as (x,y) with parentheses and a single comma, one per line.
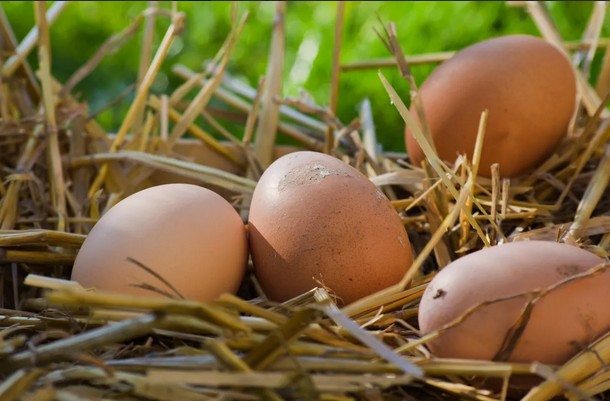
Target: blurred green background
(422,27)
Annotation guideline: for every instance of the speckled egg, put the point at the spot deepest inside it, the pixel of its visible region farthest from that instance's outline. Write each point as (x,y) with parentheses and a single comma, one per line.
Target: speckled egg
(482,296)
(316,221)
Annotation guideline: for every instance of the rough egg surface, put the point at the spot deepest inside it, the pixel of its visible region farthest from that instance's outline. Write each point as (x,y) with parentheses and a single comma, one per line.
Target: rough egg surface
(192,237)
(495,285)
(316,221)
(527,85)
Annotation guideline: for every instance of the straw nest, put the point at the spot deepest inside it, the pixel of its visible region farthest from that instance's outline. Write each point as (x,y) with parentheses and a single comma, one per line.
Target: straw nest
(61,171)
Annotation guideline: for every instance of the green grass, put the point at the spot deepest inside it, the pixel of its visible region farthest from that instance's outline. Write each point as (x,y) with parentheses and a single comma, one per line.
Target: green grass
(422,27)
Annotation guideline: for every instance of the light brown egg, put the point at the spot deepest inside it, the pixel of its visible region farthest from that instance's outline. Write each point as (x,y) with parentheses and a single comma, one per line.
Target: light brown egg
(527,85)
(561,323)
(189,235)
(316,220)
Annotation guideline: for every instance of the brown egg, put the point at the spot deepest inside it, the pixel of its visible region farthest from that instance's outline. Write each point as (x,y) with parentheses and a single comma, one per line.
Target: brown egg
(189,235)
(561,323)
(315,219)
(527,85)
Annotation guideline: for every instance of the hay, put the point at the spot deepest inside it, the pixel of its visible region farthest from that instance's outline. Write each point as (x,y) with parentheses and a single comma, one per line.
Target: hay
(61,171)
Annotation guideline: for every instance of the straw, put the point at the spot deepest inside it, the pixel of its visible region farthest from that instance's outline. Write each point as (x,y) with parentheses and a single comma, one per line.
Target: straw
(439,57)
(205,94)
(593,194)
(17,383)
(269,114)
(58,196)
(62,341)
(141,95)
(30,40)
(9,44)
(435,162)
(335,73)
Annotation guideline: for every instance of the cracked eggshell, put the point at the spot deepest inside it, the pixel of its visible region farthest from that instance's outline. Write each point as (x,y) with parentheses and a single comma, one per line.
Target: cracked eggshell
(529,88)
(188,234)
(562,322)
(315,219)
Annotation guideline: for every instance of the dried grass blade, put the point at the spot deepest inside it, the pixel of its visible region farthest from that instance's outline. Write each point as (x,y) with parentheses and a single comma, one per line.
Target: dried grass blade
(9,206)
(460,390)
(429,58)
(365,337)
(464,367)
(544,22)
(594,226)
(139,102)
(405,71)
(275,344)
(439,57)
(268,380)
(391,42)
(219,128)
(50,283)
(35,257)
(58,196)
(171,390)
(38,237)
(578,368)
(478,147)
(242,89)
(64,348)
(250,309)
(322,383)
(269,116)
(335,73)
(379,299)
(436,163)
(146,53)
(206,312)
(593,194)
(9,42)
(224,355)
(548,373)
(434,217)
(205,174)
(109,46)
(592,35)
(253,115)
(189,84)
(30,40)
(206,92)
(238,103)
(369,137)
(16,385)
(409,179)
(596,384)
(30,154)
(603,81)
(196,131)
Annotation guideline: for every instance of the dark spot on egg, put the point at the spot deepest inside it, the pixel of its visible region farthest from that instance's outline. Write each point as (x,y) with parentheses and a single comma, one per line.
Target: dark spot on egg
(568,270)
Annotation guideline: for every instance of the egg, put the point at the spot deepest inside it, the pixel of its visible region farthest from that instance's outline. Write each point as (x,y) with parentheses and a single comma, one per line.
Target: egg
(189,235)
(316,221)
(495,282)
(527,85)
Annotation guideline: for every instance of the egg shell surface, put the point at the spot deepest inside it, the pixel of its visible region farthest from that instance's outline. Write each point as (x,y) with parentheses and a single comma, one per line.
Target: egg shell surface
(527,85)
(188,234)
(314,220)
(498,280)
